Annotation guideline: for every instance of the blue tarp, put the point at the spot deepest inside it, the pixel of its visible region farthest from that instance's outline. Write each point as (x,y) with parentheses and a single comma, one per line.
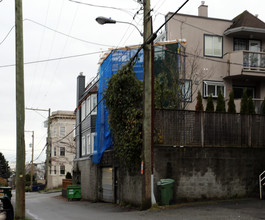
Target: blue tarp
(110,66)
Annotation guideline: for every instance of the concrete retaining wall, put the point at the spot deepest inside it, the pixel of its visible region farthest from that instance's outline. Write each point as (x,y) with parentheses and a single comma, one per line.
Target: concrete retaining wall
(205,173)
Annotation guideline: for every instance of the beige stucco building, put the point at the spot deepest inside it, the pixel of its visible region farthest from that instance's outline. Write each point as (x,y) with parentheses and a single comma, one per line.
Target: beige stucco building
(221,54)
(62,149)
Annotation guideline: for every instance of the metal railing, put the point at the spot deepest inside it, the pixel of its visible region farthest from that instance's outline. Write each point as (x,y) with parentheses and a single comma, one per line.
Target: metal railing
(261,183)
(253,61)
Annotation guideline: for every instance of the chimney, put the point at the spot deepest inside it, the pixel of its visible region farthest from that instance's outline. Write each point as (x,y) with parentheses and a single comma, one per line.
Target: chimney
(80,87)
(203,10)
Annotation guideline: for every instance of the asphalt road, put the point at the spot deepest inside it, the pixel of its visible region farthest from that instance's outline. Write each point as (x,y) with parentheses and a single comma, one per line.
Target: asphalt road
(53,207)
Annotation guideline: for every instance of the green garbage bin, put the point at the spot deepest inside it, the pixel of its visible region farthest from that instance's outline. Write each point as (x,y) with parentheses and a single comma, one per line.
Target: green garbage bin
(165,191)
(73,192)
(5,192)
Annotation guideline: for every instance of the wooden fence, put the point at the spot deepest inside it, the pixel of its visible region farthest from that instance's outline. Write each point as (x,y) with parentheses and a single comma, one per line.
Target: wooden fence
(192,128)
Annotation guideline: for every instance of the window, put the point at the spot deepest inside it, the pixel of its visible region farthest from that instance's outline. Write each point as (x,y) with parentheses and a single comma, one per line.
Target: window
(185,88)
(212,88)
(62,151)
(88,106)
(83,111)
(213,46)
(240,44)
(54,132)
(62,131)
(88,144)
(54,171)
(94,104)
(54,151)
(62,170)
(83,146)
(92,142)
(239,90)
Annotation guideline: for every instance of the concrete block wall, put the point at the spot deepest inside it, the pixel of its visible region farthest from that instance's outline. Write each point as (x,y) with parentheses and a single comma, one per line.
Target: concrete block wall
(88,178)
(207,173)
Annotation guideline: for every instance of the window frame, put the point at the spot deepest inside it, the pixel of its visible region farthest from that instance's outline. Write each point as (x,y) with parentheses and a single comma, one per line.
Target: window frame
(206,84)
(83,110)
(83,146)
(186,92)
(62,152)
(88,144)
(93,105)
(54,151)
(204,46)
(62,131)
(62,173)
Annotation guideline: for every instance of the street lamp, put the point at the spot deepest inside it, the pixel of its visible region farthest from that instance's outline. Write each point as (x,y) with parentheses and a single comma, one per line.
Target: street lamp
(103,20)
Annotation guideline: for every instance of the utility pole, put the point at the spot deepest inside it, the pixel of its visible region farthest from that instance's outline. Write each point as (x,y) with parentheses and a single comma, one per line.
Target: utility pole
(48,141)
(147,121)
(48,149)
(32,167)
(20,115)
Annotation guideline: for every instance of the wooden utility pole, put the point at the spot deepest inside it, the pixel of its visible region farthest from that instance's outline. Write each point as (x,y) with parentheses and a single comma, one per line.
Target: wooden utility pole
(32,164)
(20,115)
(48,150)
(147,121)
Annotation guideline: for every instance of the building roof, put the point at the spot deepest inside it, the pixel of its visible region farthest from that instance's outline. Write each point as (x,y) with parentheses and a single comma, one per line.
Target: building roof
(246,22)
(247,19)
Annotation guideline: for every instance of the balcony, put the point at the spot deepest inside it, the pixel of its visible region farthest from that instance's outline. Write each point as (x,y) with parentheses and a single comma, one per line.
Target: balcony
(246,63)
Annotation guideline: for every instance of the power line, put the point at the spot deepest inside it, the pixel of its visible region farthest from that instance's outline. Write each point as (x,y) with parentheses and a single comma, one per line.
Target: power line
(102,6)
(7,34)
(54,59)
(67,35)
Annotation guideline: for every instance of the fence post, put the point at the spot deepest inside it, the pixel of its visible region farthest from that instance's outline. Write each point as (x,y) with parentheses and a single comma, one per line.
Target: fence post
(249,130)
(202,128)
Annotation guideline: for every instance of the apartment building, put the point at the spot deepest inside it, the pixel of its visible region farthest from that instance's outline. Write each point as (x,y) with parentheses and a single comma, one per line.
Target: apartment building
(221,54)
(62,149)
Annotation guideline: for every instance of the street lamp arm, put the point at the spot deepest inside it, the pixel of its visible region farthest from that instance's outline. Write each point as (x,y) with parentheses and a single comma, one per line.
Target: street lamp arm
(103,20)
(132,25)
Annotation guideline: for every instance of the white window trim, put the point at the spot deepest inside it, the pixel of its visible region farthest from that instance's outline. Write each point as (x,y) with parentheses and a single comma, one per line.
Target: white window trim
(88,105)
(83,110)
(83,145)
(93,97)
(212,83)
(62,132)
(92,142)
(186,90)
(88,144)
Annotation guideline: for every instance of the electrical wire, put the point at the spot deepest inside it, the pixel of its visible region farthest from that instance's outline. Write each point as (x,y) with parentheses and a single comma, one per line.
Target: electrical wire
(7,34)
(102,6)
(54,59)
(67,35)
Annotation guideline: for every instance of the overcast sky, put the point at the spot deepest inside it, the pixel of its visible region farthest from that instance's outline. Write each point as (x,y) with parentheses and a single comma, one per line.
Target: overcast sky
(67,30)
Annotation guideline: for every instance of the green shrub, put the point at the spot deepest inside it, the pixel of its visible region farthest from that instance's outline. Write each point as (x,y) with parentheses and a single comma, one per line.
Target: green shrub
(220,107)
(231,103)
(244,103)
(209,106)
(199,105)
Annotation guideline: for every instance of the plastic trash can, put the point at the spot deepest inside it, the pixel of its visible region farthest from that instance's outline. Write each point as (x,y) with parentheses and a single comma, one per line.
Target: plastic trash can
(165,191)
(73,192)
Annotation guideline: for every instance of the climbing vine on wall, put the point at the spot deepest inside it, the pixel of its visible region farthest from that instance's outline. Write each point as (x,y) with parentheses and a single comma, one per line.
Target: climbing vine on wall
(124,100)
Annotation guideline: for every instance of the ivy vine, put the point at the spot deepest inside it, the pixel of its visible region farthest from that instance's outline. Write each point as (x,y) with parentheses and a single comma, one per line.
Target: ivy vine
(124,101)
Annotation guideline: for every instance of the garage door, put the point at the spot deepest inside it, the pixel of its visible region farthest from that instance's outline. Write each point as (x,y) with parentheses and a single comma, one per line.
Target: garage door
(107,185)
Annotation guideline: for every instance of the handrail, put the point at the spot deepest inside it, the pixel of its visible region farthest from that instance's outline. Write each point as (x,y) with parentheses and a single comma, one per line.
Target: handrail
(260,183)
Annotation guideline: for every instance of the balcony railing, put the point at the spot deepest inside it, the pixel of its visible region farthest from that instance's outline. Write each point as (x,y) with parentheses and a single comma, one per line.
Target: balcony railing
(253,61)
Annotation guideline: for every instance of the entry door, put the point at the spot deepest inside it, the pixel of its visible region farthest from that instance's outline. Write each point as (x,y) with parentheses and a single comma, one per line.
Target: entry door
(254,58)
(107,185)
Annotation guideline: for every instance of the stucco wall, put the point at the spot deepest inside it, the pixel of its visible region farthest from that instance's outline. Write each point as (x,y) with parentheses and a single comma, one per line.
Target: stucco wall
(205,173)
